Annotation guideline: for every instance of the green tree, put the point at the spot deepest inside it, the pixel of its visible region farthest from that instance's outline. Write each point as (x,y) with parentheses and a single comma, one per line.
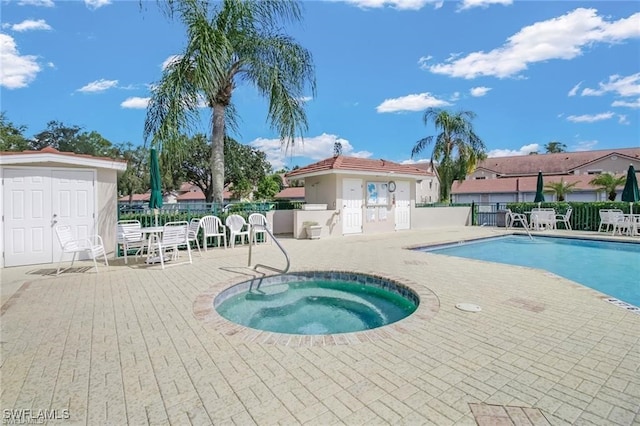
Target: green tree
(268,187)
(560,189)
(241,189)
(229,43)
(242,162)
(135,179)
(608,183)
(555,147)
(457,149)
(11,136)
(58,136)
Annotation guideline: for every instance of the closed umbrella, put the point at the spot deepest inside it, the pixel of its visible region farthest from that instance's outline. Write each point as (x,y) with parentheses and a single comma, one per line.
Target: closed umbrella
(155,200)
(539,188)
(630,193)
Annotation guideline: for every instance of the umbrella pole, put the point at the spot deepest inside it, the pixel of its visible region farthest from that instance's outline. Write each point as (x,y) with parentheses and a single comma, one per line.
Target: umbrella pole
(155,213)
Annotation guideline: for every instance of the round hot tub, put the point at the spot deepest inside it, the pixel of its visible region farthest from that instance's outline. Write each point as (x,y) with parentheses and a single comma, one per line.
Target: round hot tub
(316,303)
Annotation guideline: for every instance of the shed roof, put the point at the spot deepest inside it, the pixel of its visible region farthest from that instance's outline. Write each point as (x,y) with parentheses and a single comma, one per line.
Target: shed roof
(52,155)
(344,164)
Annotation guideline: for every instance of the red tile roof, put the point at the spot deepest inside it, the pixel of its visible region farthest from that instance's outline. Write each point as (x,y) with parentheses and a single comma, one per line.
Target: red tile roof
(560,163)
(51,150)
(135,197)
(518,184)
(343,163)
(290,193)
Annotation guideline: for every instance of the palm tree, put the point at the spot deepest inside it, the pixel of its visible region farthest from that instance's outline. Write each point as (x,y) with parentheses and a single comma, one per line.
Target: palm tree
(608,183)
(560,189)
(229,43)
(457,149)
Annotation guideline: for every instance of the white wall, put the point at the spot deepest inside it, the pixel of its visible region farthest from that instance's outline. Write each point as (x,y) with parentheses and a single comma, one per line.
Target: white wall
(434,217)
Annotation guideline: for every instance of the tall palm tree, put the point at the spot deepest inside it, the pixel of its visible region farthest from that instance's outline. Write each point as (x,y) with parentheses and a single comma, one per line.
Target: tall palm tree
(608,183)
(229,43)
(560,189)
(456,149)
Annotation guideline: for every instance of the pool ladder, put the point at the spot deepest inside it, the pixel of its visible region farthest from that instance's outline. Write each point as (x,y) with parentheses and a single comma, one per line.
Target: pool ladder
(268,231)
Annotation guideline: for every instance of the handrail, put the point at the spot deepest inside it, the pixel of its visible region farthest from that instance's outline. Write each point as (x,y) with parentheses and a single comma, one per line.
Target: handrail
(268,231)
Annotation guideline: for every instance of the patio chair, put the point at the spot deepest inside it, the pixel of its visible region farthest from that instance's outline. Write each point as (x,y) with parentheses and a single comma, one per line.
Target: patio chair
(258,224)
(564,219)
(607,217)
(212,227)
(92,246)
(192,234)
(174,235)
(238,227)
(129,237)
(621,222)
(512,218)
(543,219)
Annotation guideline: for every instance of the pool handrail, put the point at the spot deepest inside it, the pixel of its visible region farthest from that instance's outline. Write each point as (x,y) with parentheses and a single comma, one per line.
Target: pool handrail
(266,229)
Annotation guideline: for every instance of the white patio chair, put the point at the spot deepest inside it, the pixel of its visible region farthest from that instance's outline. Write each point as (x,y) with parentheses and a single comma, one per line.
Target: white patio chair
(192,234)
(130,237)
(212,227)
(174,235)
(608,218)
(564,219)
(92,246)
(238,227)
(512,218)
(621,222)
(258,223)
(543,218)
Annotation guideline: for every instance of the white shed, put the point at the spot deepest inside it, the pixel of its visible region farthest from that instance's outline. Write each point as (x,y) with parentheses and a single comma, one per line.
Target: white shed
(42,188)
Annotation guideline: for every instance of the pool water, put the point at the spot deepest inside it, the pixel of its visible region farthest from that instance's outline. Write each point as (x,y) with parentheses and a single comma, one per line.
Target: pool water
(316,307)
(610,267)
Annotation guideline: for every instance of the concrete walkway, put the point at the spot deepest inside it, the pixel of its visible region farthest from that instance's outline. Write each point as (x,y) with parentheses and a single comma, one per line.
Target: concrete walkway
(125,346)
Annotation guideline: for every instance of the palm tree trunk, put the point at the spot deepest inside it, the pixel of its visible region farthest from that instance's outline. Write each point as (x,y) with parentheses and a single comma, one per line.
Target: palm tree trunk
(217,153)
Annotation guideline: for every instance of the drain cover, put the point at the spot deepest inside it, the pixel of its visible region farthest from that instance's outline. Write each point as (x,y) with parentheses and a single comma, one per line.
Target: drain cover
(468,307)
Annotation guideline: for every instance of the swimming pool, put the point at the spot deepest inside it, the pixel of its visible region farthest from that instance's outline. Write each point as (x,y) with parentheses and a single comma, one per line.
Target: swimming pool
(612,268)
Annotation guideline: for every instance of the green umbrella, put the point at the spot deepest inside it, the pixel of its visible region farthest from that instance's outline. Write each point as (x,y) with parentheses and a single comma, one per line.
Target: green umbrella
(630,192)
(539,188)
(155,200)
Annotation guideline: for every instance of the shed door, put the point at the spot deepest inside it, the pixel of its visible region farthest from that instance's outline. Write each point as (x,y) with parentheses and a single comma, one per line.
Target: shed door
(403,205)
(351,206)
(27,217)
(35,200)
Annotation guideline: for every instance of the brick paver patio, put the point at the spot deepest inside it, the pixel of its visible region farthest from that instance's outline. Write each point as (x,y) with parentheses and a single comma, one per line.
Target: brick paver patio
(127,346)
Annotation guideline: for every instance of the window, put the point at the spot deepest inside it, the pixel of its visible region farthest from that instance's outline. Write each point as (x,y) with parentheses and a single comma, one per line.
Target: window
(594,172)
(480,177)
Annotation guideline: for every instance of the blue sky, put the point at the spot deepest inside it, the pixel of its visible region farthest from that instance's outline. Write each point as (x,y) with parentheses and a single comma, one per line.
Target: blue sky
(533,72)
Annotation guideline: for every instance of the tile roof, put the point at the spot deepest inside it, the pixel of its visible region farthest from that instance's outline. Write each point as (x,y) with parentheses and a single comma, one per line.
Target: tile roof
(291,192)
(560,163)
(135,197)
(51,150)
(355,164)
(518,184)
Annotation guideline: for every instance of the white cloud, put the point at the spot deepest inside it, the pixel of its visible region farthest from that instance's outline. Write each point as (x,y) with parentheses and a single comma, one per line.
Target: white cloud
(622,86)
(590,118)
(585,146)
(171,59)
(315,148)
(135,103)
(31,25)
(574,90)
(479,91)
(16,71)
(524,150)
(416,102)
(43,3)
(305,99)
(396,4)
(563,37)
(96,4)
(98,86)
(629,104)
(455,96)
(468,4)
(623,119)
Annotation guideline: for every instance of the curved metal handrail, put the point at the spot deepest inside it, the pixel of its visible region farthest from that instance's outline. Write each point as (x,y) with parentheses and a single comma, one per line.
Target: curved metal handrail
(268,231)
